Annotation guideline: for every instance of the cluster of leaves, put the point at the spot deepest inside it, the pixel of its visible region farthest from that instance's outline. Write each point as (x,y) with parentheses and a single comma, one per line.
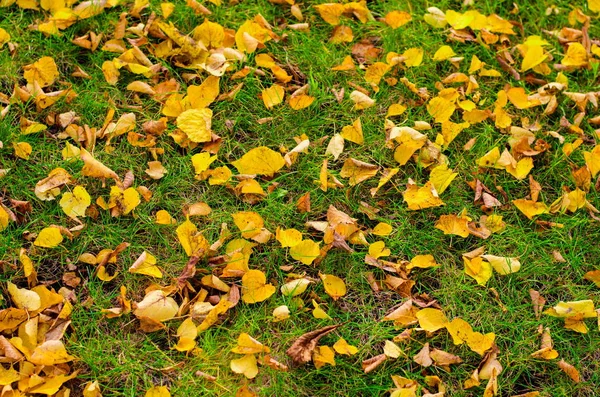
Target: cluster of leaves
(220,274)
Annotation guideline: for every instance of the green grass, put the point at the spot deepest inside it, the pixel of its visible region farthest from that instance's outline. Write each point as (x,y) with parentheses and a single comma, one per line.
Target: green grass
(127,362)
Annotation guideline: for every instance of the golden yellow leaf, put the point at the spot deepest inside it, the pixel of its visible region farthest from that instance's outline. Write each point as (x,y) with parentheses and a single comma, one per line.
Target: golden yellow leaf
(94,168)
(246,365)
(341,34)
(519,98)
(419,198)
(164,218)
(323,355)
(43,72)
(342,347)
(196,124)
(255,288)
(49,237)
(443,53)
(409,141)
(250,223)
(431,319)
(479,269)
(454,224)
(295,287)
(592,160)
(576,56)
(288,237)
(123,201)
(330,12)
(4,218)
(347,64)
(533,57)
(157,306)
(4,37)
(334,286)
(192,241)
(248,345)
(503,265)
(382,229)
(187,333)
(583,308)
(51,352)
(23,298)
(490,159)
(440,109)
(301,101)
(22,150)
(306,251)
(273,96)
(146,264)
(250,35)
(593,276)
(201,96)
(531,208)
(354,132)
(260,161)
(441,177)
(422,261)
(74,204)
(494,223)
(111,73)
(392,350)
(396,19)
(358,171)
(318,312)
(158,391)
(52,384)
(413,57)
(375,72)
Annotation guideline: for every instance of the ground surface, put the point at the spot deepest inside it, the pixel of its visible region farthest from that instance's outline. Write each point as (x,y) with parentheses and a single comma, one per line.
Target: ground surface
(124,360)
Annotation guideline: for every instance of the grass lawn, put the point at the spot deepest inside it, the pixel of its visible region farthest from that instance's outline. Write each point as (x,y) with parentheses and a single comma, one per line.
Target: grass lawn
(125,361)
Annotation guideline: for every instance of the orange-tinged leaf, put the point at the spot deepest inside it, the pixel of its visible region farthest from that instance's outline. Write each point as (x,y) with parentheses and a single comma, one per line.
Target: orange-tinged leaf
(51,352)
(396,19)
(260,161)
(570,370)
(334,286)
(255,288)
(375,72)
(272,96)
(330,12)
(75,203)
(347,64)
(593,276)
(341,34)
(422,261)
(301,101)
(49,237)
(95,168)
(306,251)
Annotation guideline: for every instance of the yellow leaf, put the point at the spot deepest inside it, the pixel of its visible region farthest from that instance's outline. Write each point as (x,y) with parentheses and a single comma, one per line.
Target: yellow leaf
(431,319)
(354,132)
(201,162)
(361,100)
(382,229)
(273,96)
(22,150)
(4,37)
(576,56)
(94,168)
(306,251)
(419,198)
(490,159)
(4,218)
(519,98)
(250,223)
(414,57)
(74,204)
(584,308)
(375,72)
(377,250)
(441,177)
(443,53)
(409,141)
(246,365)
(342,347)
(49,237)
(534,56)
(288,237)
(422,261)
(42,72)
(164,218)
(167,9)
(440,109)
(192,241)
(479,269)
(347,64)
(341,34)
(301,101)
(146,264)
(396,19)
(123,201)
(454,224)
(295,287)
(200,96)
(334,286)
(594,5)
(158,391)
(318,312)
(451,130)
(255,288)
(23,298)
(330,12)
(196,124)
(592,160)
(357,171)
(250,35)
(51,352)
(260,161)
(248,345)
(392,350)
(157,306)
(51,385)
(281,313)
(503,265)
(531,208)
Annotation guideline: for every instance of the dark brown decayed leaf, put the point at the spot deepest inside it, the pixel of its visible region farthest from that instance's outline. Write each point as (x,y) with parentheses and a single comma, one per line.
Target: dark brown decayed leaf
(301,350)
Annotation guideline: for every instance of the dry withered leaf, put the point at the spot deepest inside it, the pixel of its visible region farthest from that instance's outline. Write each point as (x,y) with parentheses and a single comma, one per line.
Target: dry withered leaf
(302,349)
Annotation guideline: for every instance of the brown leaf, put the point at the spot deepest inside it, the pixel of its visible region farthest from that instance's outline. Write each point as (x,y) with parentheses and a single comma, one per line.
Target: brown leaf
(422,358)
(570,370)
(538,302)
(188,271)
(301,350)
(370,364)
